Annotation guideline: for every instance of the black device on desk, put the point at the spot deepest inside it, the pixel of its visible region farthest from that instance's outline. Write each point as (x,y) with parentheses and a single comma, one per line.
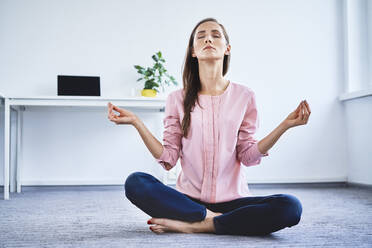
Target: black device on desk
(78,86)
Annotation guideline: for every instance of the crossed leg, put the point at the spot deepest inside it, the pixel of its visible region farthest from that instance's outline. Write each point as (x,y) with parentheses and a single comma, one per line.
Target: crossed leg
(173,211)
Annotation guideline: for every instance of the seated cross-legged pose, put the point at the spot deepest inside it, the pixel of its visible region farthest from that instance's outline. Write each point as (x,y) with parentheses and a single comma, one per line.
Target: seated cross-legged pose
(213,139)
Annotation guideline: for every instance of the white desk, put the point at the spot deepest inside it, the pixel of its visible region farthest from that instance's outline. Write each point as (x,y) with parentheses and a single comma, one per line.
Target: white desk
(19,104)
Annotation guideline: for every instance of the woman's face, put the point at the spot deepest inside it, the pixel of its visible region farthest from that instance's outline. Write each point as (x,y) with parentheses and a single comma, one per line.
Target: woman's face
(209,34)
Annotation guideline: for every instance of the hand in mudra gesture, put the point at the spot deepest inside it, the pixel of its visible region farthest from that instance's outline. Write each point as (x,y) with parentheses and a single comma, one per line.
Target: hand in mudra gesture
(300,116)
(124,117)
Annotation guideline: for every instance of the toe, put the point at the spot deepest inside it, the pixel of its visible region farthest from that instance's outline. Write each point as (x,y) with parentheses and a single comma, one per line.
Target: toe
(158,221)
(157,229)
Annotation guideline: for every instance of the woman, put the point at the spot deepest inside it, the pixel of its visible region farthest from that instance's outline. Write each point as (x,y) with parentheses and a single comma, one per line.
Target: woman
(212,138)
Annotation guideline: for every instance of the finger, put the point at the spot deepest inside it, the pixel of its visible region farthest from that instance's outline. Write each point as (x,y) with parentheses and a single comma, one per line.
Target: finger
(308,107)
(117,109)
(113,118)
(298,108)
(109,107)
(122,111)
(306,114)
(303,111)
(300,116)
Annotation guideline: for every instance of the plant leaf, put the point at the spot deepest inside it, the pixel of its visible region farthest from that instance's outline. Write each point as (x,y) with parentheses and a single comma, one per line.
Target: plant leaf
(138,67)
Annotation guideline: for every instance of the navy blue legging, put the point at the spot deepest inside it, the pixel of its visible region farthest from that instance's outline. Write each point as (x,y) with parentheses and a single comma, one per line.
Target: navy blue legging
(258,215)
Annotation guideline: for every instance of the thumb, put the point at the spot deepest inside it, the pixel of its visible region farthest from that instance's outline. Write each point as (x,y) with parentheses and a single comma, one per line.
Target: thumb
(300,114)
(298,107)
(118,109)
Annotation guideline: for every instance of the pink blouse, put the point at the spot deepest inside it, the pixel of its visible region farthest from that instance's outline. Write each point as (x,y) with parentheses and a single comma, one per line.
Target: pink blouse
(220,139)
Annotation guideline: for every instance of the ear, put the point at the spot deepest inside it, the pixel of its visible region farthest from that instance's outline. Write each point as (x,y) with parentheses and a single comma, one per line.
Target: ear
(228,48)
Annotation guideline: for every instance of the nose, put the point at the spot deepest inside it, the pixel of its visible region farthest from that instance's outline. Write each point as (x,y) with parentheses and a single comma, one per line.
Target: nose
(207,38)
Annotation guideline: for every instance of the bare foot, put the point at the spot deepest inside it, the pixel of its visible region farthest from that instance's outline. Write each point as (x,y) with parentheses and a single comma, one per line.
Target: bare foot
(168,225)
(211,214)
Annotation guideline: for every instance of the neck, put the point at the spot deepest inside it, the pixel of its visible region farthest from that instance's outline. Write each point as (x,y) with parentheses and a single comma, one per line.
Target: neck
(211,79)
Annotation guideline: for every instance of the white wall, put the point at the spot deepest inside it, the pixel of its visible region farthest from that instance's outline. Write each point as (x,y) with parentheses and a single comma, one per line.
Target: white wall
(369,42)
(286,51)
(358,112)
(359,137)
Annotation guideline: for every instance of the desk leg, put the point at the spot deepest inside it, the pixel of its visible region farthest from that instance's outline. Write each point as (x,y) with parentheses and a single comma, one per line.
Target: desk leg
(19,151)
(6,147)
(11,166)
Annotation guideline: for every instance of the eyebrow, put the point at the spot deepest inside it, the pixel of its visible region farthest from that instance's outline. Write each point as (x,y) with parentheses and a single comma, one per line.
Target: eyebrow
(214,30)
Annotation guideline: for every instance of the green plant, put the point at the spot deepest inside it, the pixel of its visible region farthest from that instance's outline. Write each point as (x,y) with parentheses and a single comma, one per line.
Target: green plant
(154,76)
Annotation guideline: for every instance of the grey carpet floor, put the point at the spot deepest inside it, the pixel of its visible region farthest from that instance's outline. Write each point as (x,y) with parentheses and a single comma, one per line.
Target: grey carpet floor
(334,215)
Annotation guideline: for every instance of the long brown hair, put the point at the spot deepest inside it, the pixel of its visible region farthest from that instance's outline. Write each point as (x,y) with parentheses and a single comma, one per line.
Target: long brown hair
(190,76)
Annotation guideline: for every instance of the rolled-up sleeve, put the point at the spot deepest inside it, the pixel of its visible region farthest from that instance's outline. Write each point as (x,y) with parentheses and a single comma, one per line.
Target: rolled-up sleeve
(172,135)
(247,146)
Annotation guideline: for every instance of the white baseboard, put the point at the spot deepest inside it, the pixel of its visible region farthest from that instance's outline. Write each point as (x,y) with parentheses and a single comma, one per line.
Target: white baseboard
(71,182)
(121,182)
(299,180)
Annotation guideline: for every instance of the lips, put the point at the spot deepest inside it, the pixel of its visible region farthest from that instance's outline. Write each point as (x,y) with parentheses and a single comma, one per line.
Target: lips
(208,47)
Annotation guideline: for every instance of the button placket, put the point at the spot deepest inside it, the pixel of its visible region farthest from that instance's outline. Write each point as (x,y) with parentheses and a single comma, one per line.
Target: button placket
(216,114)
(207,134)
(212,153)
(210,150)
(210,143)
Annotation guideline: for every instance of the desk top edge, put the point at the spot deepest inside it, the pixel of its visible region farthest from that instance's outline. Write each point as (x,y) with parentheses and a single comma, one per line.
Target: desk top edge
(141,98)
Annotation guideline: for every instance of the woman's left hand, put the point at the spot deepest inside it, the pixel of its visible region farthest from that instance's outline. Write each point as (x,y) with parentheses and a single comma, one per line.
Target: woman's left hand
(298,117)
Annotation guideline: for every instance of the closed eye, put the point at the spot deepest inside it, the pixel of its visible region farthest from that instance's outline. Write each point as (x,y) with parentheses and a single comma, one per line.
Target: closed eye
(215,36)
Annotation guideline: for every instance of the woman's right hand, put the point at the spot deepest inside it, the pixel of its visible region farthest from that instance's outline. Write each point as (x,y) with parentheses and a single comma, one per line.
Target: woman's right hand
(124,117)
